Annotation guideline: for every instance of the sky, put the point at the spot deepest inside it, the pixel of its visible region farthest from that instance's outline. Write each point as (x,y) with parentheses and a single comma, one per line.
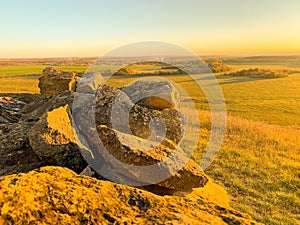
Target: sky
(77,28)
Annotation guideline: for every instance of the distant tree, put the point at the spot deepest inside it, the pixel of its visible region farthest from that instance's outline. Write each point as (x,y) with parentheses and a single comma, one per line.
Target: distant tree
(217,66)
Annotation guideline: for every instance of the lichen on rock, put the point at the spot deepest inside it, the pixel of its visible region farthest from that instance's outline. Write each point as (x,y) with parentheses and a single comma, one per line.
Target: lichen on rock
(55,195)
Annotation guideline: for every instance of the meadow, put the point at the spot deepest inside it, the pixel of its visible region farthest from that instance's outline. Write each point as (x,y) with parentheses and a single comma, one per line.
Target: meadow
(258,162)
(275,101)
(259,166)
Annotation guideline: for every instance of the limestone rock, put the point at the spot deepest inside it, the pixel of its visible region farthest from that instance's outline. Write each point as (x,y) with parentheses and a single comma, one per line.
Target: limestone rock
(158,95)
(52,139)
(53,82)
(54,195)
(37,108)
(136,151)
(156,124)
(103,106)
(141,122)
(89,83)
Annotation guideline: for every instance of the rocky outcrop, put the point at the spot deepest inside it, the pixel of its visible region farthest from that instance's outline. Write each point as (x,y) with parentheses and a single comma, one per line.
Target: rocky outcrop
(40,132)
(50,139)
(53,82)
(126,140)
(54,195)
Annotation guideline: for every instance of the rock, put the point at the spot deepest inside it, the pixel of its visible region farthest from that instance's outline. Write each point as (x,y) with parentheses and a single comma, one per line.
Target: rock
(52,139)
(158,95)
(139,119)
(53,82)
(88,171)
(23,97)
(16,153)
(54,195)
(89,83)
(3,120)
(135,131)
(156,125)
(35,109)
(104,103)
(136,151)
(9,110)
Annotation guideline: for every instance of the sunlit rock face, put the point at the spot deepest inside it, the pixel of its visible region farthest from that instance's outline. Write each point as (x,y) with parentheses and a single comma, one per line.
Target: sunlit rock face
(56,195)
(53,82)
(52,139)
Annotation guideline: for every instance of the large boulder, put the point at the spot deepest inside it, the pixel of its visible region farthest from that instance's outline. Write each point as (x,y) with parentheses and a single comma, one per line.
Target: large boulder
(53,82)
(159,94)
(52,139)
(136,151)
(140,118)
(138,135)
(54,195)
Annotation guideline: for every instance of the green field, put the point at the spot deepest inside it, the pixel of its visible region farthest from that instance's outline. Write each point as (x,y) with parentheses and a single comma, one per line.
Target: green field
(11,71)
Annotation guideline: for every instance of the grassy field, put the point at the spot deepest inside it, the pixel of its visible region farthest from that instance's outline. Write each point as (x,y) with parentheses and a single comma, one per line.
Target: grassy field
(275,101)
(13,71)
(259,166)
(28,84)
(289,61)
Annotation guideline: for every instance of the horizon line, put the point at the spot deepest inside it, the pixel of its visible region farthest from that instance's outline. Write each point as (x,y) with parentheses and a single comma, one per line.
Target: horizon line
(202,54)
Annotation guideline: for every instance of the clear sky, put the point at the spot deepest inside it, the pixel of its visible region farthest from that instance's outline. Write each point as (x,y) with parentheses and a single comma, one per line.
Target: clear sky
(40,28)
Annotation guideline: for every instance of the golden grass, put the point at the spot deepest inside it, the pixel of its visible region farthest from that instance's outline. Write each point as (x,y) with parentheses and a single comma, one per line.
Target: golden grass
(272,67)
(19,85)
(259,166)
